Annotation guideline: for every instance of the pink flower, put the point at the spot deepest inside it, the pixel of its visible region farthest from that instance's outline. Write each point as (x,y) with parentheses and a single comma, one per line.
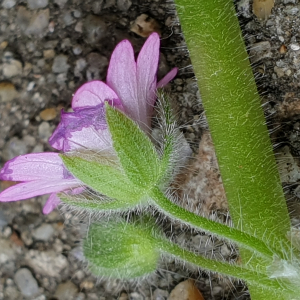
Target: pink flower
(131,87)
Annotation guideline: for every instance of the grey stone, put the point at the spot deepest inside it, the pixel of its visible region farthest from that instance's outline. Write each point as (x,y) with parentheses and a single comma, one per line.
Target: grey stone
(11,66)
(11,293)
(288,167)
(97,64)
(66,291)
(8,92)
(3,219)
(135,296)
(124,5)
(12,69)
(26,283)
(60,64)
(7,252)
(47,263)
(38,23)
(38,148)
(291,10)
(36,4)
(68,19)
(44,232)
(77,13)
(95,29)
(109,3)
(259,51)
(14,147)
(97,6)
(8,4)
(77,50)
(160,294)
(44,131)
(61,3)
(243,7)
(41,297)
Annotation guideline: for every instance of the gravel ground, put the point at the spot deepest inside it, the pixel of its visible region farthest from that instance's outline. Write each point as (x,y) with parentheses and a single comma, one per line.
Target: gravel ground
(48,48)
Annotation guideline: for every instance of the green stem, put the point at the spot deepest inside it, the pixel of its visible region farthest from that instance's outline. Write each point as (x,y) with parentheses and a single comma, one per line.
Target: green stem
(236,120)
(241,238)
(227,269)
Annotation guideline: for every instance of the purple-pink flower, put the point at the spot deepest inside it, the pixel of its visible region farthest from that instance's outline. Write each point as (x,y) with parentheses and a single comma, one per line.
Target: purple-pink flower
(130,87)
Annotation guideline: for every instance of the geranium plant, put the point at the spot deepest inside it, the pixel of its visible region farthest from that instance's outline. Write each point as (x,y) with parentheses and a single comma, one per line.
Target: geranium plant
(110,164)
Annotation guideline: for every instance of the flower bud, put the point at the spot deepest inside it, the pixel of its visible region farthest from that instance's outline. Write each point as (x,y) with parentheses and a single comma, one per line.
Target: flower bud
(117,249)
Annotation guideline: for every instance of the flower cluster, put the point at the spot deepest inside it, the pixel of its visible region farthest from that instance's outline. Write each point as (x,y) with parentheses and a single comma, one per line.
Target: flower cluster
(130,87)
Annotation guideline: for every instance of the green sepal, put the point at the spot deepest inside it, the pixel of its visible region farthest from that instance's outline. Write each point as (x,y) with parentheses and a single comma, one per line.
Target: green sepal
(105,179)
(97,204)
(117,249)
(169,131)
(135,150)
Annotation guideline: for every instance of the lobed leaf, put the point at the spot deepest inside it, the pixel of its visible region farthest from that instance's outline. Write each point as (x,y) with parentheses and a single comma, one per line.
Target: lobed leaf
(135,150)
(104,179)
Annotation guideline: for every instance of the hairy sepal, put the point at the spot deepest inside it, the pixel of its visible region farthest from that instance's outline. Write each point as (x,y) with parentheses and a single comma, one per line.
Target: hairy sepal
(105,179)
(135,150)
(117,249)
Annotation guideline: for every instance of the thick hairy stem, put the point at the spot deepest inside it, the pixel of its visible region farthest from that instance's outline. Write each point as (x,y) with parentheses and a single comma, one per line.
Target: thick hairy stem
(236,120)
(234,271)
(222,231)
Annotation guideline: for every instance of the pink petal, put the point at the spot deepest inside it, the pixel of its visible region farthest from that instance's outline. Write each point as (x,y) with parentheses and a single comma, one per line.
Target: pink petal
(167,78)
(35,166)
(147,64)
(52,202)
(93,93)
(85,128)
(122,78)
(35,188)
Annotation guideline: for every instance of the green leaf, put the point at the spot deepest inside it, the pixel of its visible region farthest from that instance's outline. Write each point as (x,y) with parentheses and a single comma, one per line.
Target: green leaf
(117,249)
(96,204)
(104,179)
(135,150)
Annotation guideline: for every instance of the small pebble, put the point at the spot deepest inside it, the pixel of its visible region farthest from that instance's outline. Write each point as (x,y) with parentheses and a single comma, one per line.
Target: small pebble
(8,91)
(66,291)
(77,50)
(61,3)
(95,29)
(186,290)
(36,4)
(26,283)
(48,114)
(8,4)
(43,233)
(38,23)
(135,296)
(49,54)
(14,147)
(60,64)
(68,19)
(124,5)
(44,131)
(260,50)
(160,294)
(77,13)
(144,25)
(295,47)
(88,285)
(47,263)
(3,45)
(11,66)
